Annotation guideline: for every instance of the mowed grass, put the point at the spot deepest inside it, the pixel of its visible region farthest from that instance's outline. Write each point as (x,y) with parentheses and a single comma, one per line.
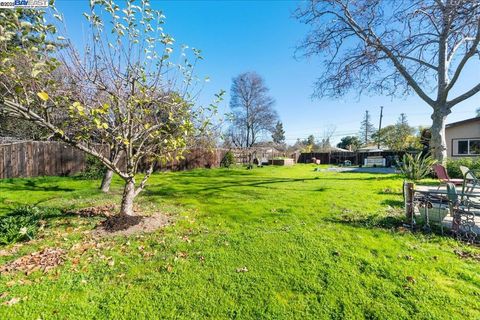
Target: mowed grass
(316,245)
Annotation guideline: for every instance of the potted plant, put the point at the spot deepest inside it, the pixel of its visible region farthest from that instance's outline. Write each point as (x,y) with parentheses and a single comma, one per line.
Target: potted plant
(414,168)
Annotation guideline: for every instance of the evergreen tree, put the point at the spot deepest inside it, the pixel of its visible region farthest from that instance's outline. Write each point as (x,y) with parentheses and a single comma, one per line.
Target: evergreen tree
(278,135)
(366,129)
(310,140)
(349,142)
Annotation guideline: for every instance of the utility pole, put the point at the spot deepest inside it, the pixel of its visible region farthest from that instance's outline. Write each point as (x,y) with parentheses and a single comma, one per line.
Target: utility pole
(380,126)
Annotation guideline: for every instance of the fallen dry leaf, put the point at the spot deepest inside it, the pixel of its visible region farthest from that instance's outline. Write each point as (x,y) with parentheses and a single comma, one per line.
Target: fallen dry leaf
(243,269)
(41,260)
(186,239)
(182,254)
(12,301)
(467,255)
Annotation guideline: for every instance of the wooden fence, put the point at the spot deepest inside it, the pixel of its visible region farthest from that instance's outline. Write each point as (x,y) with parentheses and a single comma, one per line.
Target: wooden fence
(31,159)
(34,158)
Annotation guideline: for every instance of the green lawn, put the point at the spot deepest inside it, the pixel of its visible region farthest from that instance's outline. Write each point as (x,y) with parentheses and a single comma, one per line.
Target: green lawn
(317,245)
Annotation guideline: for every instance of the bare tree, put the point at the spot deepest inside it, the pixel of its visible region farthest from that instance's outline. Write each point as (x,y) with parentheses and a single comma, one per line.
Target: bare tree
(396,47)
(325,144)
(252,110)
(123,93)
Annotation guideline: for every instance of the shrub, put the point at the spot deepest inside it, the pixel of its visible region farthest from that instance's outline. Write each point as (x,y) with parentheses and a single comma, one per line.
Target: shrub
(453,166)
(228,160)
(416,167)
(94,169)
(22,224)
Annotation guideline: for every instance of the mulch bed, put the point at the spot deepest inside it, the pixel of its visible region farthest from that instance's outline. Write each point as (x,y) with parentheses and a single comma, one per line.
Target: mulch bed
(43,260)
(130,225)
(120,222)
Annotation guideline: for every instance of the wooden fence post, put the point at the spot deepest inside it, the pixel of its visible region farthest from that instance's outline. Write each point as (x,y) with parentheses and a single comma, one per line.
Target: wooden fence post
(408,195)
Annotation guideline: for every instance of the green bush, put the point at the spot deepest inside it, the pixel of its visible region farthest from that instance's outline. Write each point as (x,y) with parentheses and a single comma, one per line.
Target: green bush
(94,169)
(453,166)
(22,224)
(416,167)
(228,160)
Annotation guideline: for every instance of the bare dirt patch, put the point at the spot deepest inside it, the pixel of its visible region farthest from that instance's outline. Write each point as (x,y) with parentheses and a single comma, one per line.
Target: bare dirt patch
(43,260)
(130,225)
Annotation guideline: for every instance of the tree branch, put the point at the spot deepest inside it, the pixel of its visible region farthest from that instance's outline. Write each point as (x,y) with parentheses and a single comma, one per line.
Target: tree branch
(464,96)
(32,116)
(470,53)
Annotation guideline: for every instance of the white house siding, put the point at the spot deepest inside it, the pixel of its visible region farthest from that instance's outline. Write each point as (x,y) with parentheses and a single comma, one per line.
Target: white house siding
(463,132)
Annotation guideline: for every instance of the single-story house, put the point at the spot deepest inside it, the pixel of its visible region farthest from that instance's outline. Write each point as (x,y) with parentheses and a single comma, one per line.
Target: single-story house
(463,138)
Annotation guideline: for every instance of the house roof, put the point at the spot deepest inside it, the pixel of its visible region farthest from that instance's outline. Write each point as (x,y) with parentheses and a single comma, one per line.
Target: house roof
(339,149)
(459,123)
(373,148)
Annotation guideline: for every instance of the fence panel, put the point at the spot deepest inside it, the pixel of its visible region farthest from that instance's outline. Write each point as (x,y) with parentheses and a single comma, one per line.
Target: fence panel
(34,158)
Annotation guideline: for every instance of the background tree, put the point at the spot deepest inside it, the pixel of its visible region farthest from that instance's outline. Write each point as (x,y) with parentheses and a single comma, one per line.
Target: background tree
(398,137)
(367,129)
(477,111)
(278,135)
(122,93)
(21,129)
(308,145)
(396,47)
(325,145)
(252,114)
(350,143)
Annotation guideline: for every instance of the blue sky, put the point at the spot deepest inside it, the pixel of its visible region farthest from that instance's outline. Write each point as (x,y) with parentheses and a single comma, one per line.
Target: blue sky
(261,36)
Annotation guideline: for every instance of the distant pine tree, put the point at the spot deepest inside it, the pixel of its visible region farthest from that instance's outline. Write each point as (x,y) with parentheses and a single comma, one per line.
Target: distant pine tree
(367,129)
(278,135)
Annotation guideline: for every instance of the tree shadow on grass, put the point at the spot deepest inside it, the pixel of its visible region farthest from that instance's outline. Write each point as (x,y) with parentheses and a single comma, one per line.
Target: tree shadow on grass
(32,185)
(217,173)
(393,203)
(376,178)
(370,221)
(200,188)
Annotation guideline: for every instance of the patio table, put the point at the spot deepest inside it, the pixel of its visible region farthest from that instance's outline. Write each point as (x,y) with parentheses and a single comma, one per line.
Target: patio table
(437,199)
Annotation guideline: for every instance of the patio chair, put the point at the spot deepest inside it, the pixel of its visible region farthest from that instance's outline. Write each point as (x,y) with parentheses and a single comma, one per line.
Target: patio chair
(463,215)
(442,175)
(470,180)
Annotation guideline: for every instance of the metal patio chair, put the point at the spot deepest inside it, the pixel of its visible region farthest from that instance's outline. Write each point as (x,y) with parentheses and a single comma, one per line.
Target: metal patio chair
(442,175)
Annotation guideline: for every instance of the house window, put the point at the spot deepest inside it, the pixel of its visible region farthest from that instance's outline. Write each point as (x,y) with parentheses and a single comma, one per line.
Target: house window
(463,147)
(468,147)
(474,146)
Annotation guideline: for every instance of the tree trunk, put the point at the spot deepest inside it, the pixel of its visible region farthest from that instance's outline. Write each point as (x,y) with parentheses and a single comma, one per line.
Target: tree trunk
(107,180)
(128,198)
(438,144)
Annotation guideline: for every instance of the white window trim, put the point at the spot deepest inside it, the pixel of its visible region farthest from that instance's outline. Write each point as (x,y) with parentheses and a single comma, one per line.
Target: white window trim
(468,147)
